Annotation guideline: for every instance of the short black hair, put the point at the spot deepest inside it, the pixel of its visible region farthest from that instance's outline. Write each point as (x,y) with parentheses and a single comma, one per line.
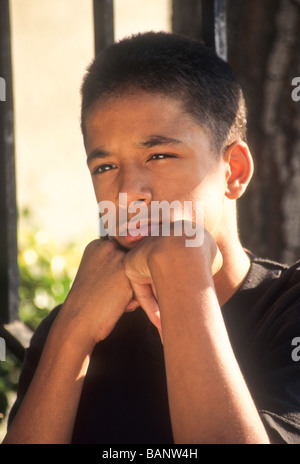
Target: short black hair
(176,66)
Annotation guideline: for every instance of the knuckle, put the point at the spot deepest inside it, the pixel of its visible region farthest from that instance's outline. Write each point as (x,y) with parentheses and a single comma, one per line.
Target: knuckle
(92,245)
(99,244)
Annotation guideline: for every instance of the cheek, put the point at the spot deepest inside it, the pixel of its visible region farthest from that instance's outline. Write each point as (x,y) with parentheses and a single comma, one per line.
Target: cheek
(213,212)
(103,190)
(209,198)
(96,190)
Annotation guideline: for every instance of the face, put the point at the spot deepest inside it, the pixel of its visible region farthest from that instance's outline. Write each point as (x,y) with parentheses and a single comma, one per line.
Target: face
(146,147)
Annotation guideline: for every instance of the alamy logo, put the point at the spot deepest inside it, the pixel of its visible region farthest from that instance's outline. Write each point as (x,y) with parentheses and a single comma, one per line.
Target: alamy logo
(2,89)
(186,218)
(296,91)
(296,351)
(2,349)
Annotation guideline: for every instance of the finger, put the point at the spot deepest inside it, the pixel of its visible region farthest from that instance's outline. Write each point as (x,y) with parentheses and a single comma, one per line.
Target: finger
(144,295)
(132,305)
(154,290)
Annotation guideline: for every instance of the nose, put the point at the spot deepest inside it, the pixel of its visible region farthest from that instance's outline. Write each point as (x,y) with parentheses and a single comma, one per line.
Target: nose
(136,186)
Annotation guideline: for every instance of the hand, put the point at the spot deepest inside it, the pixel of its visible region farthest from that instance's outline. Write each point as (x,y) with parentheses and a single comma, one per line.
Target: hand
(139,275)
(101,291)
(138,271)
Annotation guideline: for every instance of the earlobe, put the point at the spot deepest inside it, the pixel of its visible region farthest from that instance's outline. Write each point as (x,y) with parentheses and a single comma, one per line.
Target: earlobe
(240,169)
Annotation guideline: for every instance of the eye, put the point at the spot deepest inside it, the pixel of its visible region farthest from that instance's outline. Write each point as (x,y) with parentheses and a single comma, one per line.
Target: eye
(161,156)
(103,168)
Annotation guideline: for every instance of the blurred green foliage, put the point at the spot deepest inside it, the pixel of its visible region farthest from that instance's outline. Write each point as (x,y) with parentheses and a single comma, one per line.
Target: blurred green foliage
(47,270)
(9,376)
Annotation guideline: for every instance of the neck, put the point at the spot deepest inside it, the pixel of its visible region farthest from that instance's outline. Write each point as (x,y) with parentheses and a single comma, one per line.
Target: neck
(236,264)
(232,274)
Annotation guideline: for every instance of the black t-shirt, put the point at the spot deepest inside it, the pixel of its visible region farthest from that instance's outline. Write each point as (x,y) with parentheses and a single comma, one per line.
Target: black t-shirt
(124,398)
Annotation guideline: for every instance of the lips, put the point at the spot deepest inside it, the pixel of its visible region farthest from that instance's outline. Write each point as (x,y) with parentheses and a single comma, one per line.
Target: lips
(137,230)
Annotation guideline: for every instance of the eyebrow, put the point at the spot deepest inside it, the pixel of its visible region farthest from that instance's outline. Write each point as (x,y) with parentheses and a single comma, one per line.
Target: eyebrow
(150,142)
(98,153)
(155,140)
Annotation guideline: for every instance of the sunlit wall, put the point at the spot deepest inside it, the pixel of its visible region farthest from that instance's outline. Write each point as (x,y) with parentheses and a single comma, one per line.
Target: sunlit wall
(52,43)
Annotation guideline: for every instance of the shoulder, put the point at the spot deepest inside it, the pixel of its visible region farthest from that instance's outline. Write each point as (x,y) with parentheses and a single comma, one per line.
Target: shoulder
(32,357)
(272,282)
(271,296)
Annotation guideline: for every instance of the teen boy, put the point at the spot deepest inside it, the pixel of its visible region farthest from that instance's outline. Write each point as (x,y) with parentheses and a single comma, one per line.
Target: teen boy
(163,119)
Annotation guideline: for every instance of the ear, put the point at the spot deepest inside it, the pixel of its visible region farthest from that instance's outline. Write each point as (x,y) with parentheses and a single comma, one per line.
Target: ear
(240,169)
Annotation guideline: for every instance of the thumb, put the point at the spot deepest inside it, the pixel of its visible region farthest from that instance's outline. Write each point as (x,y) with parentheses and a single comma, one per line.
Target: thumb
(144,295)
(132,305)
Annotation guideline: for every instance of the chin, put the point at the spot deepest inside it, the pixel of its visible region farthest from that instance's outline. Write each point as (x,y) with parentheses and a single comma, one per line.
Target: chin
(124,245)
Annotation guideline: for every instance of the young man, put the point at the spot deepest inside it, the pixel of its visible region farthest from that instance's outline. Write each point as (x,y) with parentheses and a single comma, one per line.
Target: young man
(163,120)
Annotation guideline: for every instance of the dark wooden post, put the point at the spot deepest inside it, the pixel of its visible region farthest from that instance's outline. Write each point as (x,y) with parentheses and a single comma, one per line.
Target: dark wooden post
(103,23)
(9,276)
(204,20)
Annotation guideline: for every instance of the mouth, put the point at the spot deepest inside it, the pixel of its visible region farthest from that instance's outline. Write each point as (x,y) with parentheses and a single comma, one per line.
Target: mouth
(136,231)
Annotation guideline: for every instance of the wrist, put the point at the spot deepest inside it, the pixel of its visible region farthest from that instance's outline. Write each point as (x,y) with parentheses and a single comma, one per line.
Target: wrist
(91,320)
(72,329)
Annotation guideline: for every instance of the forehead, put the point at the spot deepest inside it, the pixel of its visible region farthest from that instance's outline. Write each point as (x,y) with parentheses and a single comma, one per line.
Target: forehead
(138,115)
(138,105)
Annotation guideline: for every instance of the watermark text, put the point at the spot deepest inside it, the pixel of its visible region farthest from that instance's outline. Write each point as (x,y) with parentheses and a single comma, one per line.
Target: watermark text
(151,453)
(296,91)
(2,349)
(296,350)
(2,89)
(185,218)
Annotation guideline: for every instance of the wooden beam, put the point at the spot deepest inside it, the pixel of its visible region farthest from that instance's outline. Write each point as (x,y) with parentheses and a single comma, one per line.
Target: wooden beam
(214,26)
(9,275)
(103,24)
(204,20)
(220,28)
